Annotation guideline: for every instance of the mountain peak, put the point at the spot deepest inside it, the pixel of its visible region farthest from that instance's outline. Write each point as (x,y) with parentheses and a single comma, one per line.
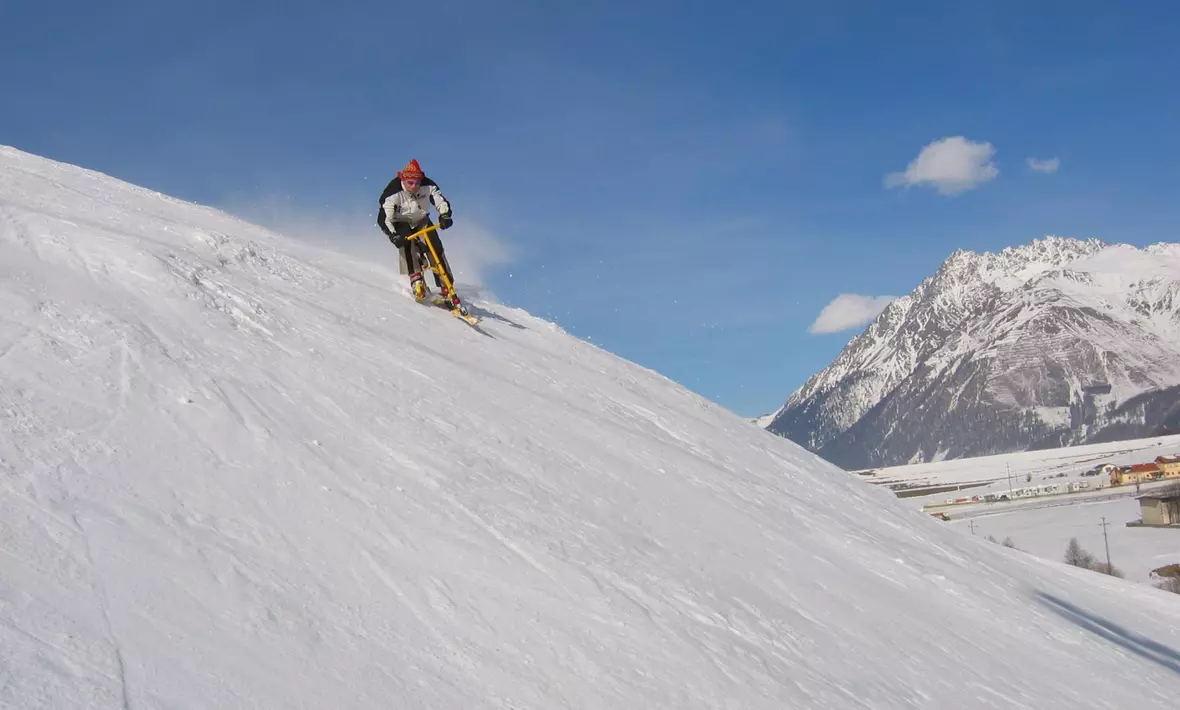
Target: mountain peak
(1054,250)
(1013,336)
(1018,262)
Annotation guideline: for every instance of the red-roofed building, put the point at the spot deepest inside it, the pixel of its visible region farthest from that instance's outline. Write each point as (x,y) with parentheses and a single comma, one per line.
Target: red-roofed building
(1170,465)
(1135,474)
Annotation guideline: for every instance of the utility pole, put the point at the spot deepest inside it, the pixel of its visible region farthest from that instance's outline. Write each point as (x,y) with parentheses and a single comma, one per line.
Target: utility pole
(1109,568)
(1011,495)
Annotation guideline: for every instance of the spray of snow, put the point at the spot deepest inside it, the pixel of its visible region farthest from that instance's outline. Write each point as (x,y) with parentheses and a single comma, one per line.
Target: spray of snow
(472,249)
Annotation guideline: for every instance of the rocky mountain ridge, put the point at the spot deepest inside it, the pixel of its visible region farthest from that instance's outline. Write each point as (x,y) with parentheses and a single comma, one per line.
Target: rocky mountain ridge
(1058,342)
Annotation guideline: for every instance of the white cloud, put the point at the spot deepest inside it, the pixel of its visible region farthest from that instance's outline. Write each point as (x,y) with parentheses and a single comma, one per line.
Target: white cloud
(953,164)
(849,310)
(1044,166)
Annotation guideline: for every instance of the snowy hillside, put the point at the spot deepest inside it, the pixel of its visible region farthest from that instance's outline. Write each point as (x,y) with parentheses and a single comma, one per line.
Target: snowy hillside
(239,472)
(1058,342)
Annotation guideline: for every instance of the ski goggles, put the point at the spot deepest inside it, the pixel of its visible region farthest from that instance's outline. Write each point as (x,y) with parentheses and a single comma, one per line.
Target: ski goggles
(411,183)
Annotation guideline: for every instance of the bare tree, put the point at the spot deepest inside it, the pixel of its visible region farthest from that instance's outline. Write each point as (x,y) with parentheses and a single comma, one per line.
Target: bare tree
(1076,556)
(1008,542)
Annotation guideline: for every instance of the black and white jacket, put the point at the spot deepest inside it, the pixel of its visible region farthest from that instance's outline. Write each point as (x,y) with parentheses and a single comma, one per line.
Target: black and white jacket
(409,208)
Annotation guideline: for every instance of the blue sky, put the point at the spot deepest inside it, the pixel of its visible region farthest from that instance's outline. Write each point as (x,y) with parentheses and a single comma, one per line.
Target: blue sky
(687,184)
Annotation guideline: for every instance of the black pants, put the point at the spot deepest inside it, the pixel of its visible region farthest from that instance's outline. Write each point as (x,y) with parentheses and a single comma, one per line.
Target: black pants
(415,248)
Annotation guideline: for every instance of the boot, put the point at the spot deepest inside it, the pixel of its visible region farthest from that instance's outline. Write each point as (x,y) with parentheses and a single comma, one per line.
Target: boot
(449,300)
(418,286)
(455,304)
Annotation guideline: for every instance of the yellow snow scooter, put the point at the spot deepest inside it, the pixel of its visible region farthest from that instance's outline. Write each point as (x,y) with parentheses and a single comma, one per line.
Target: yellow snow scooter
(460,311)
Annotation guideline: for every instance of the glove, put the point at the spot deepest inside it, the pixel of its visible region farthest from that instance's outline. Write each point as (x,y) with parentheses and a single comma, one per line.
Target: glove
(444,220)
(397,240)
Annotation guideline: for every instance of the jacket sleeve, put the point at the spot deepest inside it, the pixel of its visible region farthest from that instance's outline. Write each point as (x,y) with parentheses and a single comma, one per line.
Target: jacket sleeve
(382,218)
(381,221)
(436,197)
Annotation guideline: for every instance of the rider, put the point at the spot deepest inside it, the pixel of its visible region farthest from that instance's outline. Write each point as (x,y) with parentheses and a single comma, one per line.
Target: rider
(405,209)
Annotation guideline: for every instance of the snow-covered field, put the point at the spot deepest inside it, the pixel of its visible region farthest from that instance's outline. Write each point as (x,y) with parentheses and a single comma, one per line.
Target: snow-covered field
(1043,526)
(1027,468)
(1045,532)
(240,472)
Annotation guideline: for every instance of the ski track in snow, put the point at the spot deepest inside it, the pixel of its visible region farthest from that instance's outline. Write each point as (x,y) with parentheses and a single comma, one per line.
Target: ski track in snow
(239,471)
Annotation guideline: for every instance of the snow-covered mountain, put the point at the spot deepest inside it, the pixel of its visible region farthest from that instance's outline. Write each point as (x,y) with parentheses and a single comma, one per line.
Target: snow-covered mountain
(1055,343)
(237,471)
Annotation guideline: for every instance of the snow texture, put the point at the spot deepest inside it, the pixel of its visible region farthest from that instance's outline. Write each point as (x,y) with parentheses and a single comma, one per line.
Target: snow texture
(237,471)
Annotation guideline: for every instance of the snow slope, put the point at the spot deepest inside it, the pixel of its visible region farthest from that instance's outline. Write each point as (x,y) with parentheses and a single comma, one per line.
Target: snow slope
(236,471)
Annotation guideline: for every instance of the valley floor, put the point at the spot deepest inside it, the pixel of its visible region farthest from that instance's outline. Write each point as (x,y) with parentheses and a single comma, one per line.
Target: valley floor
(1044,525)
(1045,532)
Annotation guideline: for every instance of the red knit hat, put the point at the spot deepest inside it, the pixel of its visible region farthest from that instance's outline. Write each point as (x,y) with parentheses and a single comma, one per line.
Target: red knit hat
(412,171)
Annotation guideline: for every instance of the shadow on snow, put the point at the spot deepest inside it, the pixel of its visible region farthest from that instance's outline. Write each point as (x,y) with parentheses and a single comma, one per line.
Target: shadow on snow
(1139,645)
